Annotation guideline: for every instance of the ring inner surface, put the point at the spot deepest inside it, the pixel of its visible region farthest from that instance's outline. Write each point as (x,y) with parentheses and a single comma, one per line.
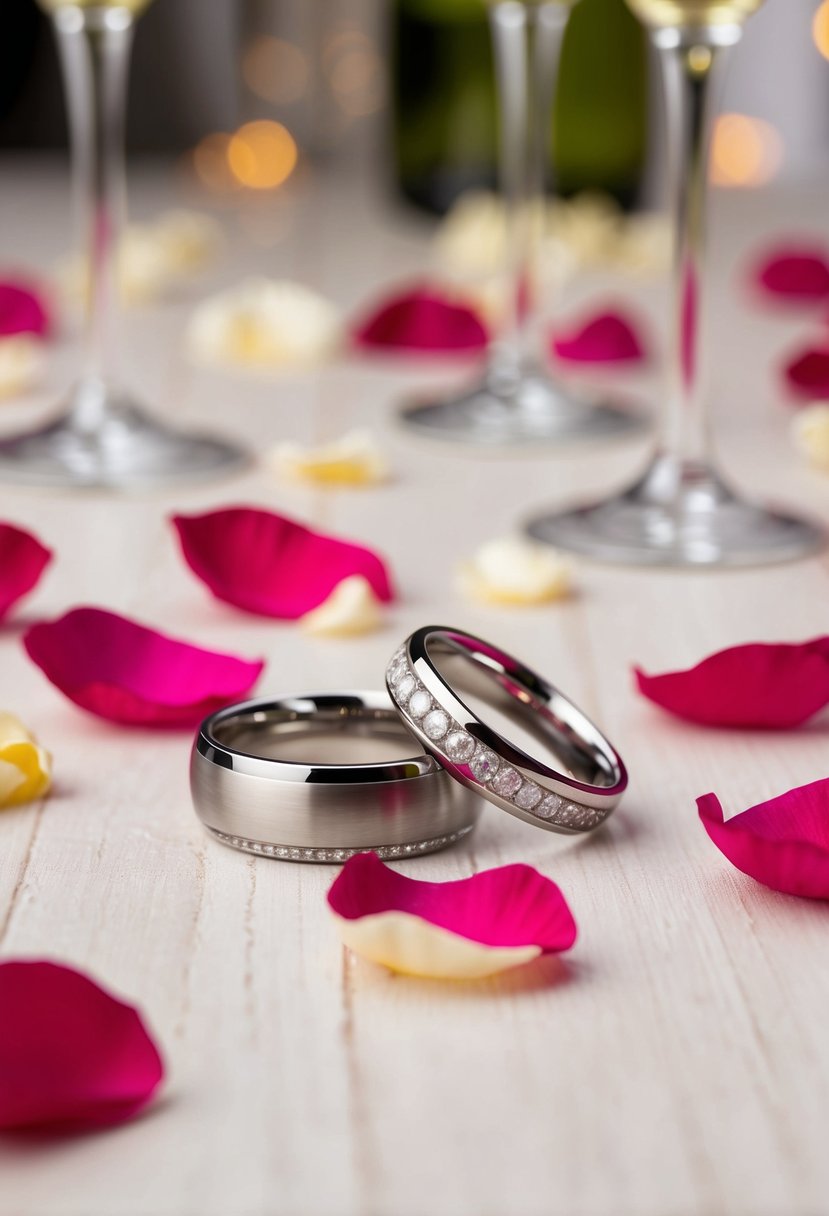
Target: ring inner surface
(521,716)
(320,735)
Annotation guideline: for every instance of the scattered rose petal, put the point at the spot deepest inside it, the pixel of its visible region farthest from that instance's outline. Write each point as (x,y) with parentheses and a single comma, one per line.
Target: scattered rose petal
(606,338)
(467,929)
(21,364)
(807,374)
(782,843)
(22,562)
(810,432)
(153,259)
(190,240)
(22,311)
(270,565)
(423,319)
(120,670)
(25,768)
(72,1057)
(760,685)
(472,239)
(799,273)
(266,324)
(515,572)
(354,460)
(351,609)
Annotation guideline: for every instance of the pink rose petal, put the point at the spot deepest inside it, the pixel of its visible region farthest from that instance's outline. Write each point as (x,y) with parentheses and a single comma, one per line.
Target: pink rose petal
(270,565)
(760,685)
(22,561)
(72,1057)
(22,311)
(509,906)
(424,320)
(797,273)
(124,672)
(807,374)
(782,843)
(608,337)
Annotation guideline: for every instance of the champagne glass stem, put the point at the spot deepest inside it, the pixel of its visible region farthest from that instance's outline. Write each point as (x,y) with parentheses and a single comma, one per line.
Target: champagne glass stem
(94,46)
(691,75)
(527,44)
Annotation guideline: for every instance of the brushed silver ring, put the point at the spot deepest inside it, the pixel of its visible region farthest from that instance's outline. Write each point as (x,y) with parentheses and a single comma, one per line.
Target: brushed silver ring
(251,800)
(574,794)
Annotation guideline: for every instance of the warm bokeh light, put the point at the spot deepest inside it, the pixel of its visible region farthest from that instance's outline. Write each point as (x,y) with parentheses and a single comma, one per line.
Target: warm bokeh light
(262,155)
(211,164)
(275,70)
(355,72)
(746,151)
(820,29)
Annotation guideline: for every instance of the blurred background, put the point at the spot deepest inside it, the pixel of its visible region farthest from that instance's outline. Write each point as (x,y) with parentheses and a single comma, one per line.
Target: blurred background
(403,89)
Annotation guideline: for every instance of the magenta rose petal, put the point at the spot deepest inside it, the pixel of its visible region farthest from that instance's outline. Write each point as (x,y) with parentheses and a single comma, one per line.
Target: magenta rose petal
(422,320)
(782,843)
(798,274)
(22,562)
(270,565)
(72,1057)
(22,310)
(467,929)
(120,670)
(608,337)
(807,374)
(774,686)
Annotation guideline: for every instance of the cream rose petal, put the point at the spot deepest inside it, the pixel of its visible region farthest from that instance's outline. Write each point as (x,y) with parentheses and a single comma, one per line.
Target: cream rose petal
(353,460)
(190,241)
(25,767)
(351,609)
(21,364)
(154,257)
(515,572)
(265,323)
(810,432)
(411,946)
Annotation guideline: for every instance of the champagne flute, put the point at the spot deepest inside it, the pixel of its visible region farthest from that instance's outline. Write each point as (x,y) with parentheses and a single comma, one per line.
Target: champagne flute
(517,403)
(102,438)
(682,512)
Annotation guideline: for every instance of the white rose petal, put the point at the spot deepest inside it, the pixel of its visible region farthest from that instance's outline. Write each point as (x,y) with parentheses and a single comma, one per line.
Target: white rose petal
(351,609)
(153,258)
(21,364)
(810,432)
(354,460)
(516,572)
(265,323)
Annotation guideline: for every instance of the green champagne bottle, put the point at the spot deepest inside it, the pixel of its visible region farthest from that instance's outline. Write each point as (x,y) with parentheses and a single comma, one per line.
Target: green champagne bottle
(444,110)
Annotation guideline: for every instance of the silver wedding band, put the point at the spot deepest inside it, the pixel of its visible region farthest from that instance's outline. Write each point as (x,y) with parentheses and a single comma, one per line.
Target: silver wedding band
(399,804)
(428,679)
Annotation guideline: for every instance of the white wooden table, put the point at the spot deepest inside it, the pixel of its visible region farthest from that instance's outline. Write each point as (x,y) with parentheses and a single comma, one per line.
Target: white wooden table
(681,1066)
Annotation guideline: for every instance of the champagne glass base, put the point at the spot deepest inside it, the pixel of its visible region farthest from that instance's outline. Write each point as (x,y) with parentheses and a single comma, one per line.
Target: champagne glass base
(125,449)
(691,521)
(534,410)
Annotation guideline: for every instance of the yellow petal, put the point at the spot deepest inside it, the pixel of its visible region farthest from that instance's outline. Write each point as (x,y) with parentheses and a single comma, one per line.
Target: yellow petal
(265,323)
(411,946)
(21,363)
(514,572)
(353,460)
(25,768)
(810,432)
(351,609)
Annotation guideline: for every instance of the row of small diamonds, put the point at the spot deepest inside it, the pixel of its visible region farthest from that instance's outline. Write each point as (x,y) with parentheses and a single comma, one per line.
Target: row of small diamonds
(386,852)
(487,768)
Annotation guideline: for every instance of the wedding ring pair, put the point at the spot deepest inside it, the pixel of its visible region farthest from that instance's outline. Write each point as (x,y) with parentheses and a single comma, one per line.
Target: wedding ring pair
(319,777)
